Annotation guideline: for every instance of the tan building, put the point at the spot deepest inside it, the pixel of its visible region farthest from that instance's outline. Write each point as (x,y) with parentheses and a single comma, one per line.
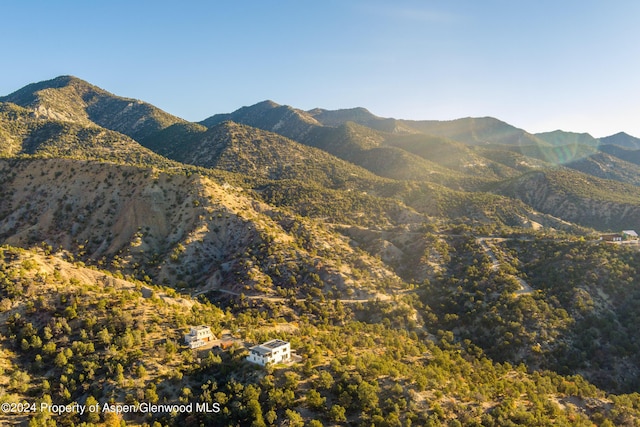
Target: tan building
(199,336)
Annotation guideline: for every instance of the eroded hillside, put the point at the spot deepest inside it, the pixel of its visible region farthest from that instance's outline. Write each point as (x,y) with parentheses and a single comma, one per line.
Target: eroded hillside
(174,227)
(426,273)
(97,339)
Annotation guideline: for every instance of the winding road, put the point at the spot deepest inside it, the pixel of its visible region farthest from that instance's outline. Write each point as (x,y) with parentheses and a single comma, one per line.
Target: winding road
(380,297)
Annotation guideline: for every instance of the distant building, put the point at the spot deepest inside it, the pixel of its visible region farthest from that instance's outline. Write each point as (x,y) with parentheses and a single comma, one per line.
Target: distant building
(611,237)
(629,234)
(199,336)
(226,343)
(274,351)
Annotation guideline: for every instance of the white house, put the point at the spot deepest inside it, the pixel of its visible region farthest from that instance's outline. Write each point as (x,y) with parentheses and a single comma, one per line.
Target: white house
(274,351)
(630,234)
(199,336)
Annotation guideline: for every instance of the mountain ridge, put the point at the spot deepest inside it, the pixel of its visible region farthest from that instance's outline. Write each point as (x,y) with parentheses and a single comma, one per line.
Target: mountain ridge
(425,272)
(28,96)
(85,103)
(270,116)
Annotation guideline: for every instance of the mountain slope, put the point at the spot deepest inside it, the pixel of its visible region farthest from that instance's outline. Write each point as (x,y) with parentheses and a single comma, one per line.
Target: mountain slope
(475,131)
(257,153)
(623,140)
(15,125)
(559,138)
(365,147)
(269,116)
(473,161)
(514,158)
(603,165)
(84,336)
(68,98)
(628,155)
(354,143)
(23,134)
(361,116)
(578,198)
(173,227)
(465,290)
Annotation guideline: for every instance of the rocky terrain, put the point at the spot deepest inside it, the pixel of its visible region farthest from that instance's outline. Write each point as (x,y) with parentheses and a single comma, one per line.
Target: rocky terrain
(426,272)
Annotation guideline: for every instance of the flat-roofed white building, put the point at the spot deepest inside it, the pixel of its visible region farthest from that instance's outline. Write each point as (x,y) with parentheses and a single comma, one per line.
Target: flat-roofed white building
(199,336)
(274,351)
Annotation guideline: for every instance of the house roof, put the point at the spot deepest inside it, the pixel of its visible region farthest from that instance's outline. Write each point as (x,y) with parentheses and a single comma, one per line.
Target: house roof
(262,351)
(631,233)
(268,347)
(273,344)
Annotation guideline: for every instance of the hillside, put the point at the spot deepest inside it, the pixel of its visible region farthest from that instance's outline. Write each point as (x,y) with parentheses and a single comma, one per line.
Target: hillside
(560,138)
(447,152)
(603,165)
(582,199)
(366,148)
(459,157)
(623,140)
(424,272)
(256,153)
(185,230)
(70,99)
(361,116)
(127,348)
(269,116)
(475,131)
(628,155)
(22,134)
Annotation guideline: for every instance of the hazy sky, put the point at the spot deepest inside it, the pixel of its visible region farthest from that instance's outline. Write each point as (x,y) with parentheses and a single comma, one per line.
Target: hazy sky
(540,65)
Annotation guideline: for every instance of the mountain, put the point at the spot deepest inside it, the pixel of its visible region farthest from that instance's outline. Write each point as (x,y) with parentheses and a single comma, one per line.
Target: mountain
(628,155)
(366,147)
(24,134)
(577,198)
(459,157)
(523,159)
(166,225)
(349,141)
(559,138)
(359,115)
(268,115)
(396,149)
(93,332)
(475,131)
(623,140)
(603,165)
(70,99)
(296,124)
(14,128)
(256,153)
(66,117)
(425,272)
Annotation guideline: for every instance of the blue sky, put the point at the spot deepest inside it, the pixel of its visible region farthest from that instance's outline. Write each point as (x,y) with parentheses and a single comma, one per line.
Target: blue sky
(538,64)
